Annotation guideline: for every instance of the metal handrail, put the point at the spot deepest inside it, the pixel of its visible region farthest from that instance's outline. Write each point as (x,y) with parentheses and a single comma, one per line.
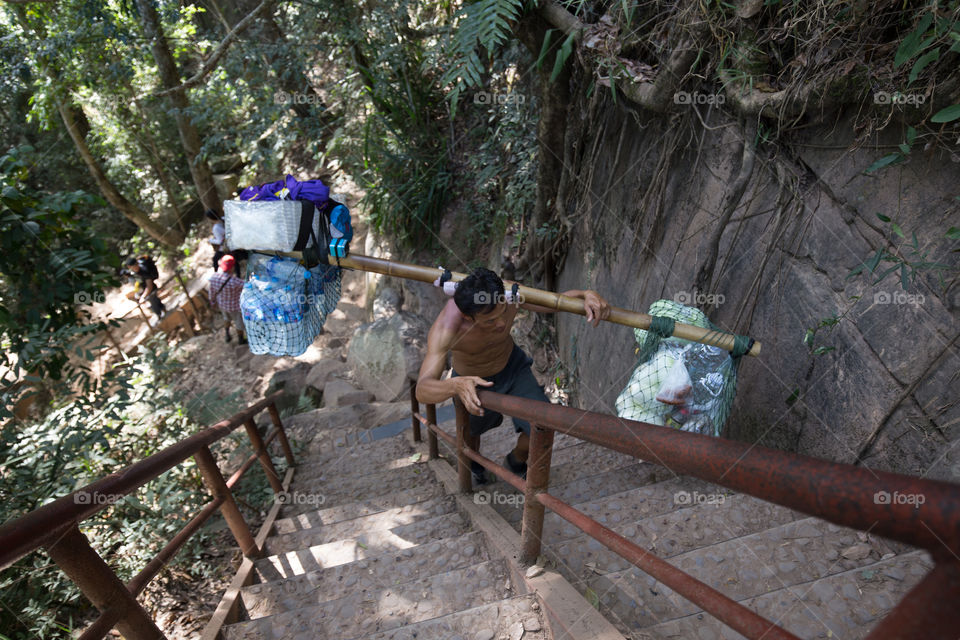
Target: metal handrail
(843,494)
(31,531)
(55,525)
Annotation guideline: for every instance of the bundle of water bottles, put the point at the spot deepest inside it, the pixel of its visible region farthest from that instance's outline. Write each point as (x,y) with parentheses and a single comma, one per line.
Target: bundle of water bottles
(286,300)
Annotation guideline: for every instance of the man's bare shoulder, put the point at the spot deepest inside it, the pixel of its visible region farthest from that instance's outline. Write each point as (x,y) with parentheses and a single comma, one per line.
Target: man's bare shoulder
(447,324)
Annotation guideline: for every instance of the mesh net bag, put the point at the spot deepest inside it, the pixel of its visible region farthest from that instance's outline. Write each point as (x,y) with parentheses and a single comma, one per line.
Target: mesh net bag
(284,304)
(679,383)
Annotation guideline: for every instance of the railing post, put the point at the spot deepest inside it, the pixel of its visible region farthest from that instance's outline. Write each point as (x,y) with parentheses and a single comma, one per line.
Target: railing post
(538,479)
(414,409)
(231,513)
(431,436)
(146,319)
(463,463)
(261,450)
(84,566)
(281,434)
(186,292)
(929,611)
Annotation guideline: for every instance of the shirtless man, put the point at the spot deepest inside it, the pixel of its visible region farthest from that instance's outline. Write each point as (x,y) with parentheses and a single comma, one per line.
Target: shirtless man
(475,327)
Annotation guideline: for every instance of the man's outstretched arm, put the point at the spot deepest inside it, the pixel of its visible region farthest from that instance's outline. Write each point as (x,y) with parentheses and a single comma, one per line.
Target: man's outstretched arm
(596,307)
(431,389)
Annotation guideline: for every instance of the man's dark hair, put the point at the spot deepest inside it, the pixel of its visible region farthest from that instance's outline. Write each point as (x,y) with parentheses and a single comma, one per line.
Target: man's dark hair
(478,293)
(131,261)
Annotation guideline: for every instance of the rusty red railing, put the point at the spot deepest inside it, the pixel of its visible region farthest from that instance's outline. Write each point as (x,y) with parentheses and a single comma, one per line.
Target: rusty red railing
(840,493)
(55,526)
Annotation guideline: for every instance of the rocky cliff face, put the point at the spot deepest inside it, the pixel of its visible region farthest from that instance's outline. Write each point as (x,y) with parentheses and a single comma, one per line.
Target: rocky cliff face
(646,205)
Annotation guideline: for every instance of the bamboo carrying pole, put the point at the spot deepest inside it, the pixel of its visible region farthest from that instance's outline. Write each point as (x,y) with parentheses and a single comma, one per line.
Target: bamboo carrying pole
(542,298)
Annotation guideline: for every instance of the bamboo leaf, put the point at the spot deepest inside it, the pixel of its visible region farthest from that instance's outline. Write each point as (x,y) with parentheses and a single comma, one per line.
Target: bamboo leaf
(948,114)
(922,63)
(565,49)
(953,233)
(912,44)
(886,161)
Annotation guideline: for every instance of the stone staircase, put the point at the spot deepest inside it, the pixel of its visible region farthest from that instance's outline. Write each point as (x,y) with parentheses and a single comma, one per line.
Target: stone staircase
(368,545)
(815,579)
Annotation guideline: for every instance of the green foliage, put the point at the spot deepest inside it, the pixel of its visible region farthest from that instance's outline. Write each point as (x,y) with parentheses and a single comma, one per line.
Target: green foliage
(934,34)
(483,24)
(897,156)
(84,440)
(51,265)
(393,137)
(908,258)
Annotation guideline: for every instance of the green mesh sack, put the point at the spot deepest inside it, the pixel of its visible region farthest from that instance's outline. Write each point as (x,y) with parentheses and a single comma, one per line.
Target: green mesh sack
(679,383)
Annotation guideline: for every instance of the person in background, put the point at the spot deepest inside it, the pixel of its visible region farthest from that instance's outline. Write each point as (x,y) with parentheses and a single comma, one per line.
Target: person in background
(218,237)
(144,269)
(218,240)
(225,291)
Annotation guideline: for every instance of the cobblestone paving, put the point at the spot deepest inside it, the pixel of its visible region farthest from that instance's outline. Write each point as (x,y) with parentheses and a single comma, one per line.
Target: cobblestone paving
(741,568)
(359,509)
(513,618)
(378,608)
(383,519)
(400,522)
(384,554)
(377,572)
(844,605)
(667,535)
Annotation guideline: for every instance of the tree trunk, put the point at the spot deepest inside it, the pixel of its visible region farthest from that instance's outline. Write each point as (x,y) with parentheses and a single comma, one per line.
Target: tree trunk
(538,259)
(170,79)
(77,125)
(141,218)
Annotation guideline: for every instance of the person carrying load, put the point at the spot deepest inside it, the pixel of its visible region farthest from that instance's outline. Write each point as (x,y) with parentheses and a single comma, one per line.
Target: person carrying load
(144,270)
(475,327)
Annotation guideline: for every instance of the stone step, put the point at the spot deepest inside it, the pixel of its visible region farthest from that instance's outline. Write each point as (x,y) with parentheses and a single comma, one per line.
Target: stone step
(360,546)
(630,505)
(371,454)
(741,568)
(590,487)
(370,574)
(669,534)
(843,605)
(308,494)
(368,611)
(290,536)
(503,619)
(379,504)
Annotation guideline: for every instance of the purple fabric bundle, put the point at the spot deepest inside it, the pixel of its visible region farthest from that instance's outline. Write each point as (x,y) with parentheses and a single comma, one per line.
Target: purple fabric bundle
(311,190)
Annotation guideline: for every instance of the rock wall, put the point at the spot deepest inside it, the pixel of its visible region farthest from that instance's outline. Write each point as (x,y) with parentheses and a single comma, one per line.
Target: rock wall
(887,393)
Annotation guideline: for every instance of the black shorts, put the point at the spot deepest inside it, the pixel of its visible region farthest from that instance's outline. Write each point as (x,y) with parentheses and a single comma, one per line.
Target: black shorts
(515,379)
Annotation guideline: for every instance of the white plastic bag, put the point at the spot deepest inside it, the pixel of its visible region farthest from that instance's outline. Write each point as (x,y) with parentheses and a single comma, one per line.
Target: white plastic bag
(676,386)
